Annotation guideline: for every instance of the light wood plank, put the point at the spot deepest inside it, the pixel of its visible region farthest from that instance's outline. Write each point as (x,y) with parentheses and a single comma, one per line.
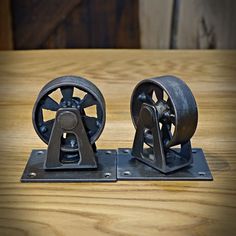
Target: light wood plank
(123,208)
(206,24)
(155,23)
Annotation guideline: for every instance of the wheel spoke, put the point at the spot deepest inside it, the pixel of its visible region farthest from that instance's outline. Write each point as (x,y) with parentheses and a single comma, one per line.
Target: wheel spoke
(172,115)
(169,102)
(146,98)
(172,119)
(159,93)
(87,101)
(39,117)
(49,124)
(50,104)
(166,131)
(67,92)
(91,123)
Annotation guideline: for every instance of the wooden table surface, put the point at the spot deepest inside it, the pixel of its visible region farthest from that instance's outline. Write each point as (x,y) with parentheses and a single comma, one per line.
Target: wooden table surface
(122,208)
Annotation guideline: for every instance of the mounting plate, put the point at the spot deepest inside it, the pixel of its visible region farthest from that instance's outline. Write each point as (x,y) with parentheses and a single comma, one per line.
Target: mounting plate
(106,171)
(129,168)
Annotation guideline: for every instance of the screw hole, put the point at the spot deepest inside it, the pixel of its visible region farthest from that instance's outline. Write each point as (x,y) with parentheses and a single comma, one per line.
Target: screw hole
(127,173)
(32,174)
(126,151)
(39,152)
(108,152)
(107,175)
(202,173)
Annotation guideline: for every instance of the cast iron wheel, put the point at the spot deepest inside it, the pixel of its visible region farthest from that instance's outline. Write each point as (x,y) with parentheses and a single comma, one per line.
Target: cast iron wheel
(67,85)
(175,105)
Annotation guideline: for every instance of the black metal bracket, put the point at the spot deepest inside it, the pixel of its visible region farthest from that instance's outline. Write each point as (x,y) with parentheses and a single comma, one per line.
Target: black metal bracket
(130,168)
(76,161)
(76,155)
(105,172)
(158,157)
(159,162)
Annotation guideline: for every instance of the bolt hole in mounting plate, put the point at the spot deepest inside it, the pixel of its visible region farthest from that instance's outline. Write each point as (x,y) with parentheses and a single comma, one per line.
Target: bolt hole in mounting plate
(106,171)
(129,168)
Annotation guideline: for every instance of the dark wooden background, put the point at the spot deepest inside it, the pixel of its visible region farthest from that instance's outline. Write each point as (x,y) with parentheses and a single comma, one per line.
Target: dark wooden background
(158,24)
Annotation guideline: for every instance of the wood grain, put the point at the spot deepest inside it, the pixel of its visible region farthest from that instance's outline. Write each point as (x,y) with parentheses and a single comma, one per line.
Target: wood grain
(5,26)
(155,23)
(34,21)
(206,24)
(122,208)
(76,24)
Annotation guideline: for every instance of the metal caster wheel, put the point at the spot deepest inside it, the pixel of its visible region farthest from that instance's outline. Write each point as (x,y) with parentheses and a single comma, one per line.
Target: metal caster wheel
(70,133)
(164,113)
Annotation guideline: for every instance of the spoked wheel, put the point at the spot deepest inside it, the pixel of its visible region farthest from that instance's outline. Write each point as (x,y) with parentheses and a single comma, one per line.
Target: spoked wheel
(176,107)
(67,88)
